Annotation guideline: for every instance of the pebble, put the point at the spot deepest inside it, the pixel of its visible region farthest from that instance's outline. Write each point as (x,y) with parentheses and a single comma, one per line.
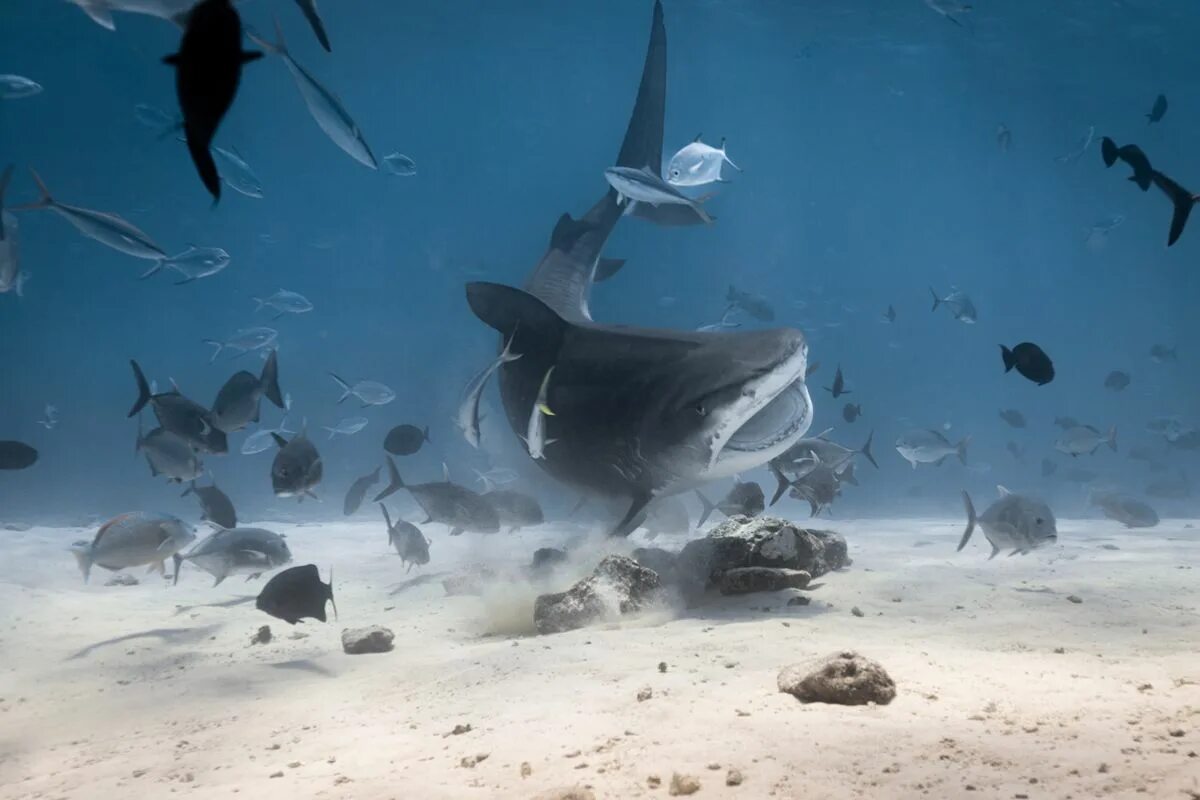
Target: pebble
(734,778)
(459,730)
(526,769)
(644,694)
(856,611)
(799,600)
(263,636)
(1075,598)
(662,666)
(276,774)
(470,761)
(683,785)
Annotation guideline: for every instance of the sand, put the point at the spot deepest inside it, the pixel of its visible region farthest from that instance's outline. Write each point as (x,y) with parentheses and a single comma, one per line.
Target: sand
(1006,689)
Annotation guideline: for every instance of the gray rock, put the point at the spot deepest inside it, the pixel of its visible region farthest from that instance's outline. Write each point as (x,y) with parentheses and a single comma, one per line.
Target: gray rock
(844,678)
(659,560)
(18,527)
(121,579)
(745,580)
(372,639)
(545,559)
(617,586)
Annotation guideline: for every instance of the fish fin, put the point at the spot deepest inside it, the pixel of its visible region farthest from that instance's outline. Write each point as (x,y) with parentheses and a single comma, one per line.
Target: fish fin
(866,448)
(630,521)
(1109,151)
(1004,491)
(100,13)
(1181,198)
(1111,439)
(505,308)
(83,557)
(961,449)
(709,507)
(143,390)
(279,440)
(937,301)
(214,343)
(395,482)
(1008,358)
(346,392)
(269,380)
(606,268)
(309,9)
(277,48)
(177,560)
(971,519)
(728,160)
(995,550)
(45,201)
(329,587)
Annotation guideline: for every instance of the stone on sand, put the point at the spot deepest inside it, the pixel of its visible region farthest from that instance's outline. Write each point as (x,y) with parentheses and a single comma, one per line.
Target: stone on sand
(372,639)
(745,580)
(844,678)
(617,586)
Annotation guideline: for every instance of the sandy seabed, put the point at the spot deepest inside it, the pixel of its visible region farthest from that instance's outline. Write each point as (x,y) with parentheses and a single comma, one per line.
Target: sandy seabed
(1006,688)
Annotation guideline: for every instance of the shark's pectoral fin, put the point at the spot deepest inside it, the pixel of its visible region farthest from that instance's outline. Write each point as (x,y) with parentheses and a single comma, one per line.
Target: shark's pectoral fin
(633,516)
(606,268)
(530,323)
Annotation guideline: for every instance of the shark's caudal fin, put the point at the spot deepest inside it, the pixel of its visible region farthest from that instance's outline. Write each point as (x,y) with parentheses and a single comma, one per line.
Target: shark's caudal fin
(644,137)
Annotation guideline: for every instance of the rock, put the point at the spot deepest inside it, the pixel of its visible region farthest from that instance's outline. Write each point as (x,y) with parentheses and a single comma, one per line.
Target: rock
(570,793)
(799,600)
(372,639)
(459,730)
(844,678)
(856,611)
(744,580)
(1074,598)
(121,579)
(469,762)
(617,586)
(262,635)
(683,785)
(546,559)
(659,560)
(734,778)
(644,694)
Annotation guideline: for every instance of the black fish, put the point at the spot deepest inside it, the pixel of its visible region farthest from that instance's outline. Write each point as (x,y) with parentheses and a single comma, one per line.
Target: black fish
(215,505)
(404,440)
(297,593)
(1131,154)
(889,315)
(1159,110)
(1116,380)
(309,7)
(1182,199)
(839,384)
(1030,360)
(746,499)
(851,412)
(181,416)
(17,455)
(446,502)
(208,68)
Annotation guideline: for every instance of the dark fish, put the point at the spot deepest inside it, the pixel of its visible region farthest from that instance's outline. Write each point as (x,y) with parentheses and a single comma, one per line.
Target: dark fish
(237,402)
(1182,199)
(297,467)
(1160,353)
(297,593)
(215,505)
(514,509)
(208,68)
(851,412)
(839,384)
(1131,154)
(1158,110)
(1066,423)
(179,415)
(1048,467)
(358,491)
(1030,360)
(17,455)
(1116,380)
(889,315)
(1013,417)
(411,545)
(811,368)
(446,502)
(404,440)
(309,7)
(746,499)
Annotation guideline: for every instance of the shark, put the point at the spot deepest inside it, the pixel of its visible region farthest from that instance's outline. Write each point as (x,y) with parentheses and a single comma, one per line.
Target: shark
(639,413)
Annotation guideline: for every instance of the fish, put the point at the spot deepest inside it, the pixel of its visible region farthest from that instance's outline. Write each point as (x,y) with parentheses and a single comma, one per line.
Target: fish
(297,594)
(1085,439)
(535,433)
(1161,352)
(109,230)
(193,263)
(1013,417)
(358,491)
(1186,440)
(724,323)
(1131,154)
(284,302)
(447,503)
(1158,110)
(643,185)
(1048,467)
(237,551)
(1116,380)
(208,69)
(244,341)
(297,468)
(1177,488)
(948,9)
(180,415)
(371,393)
(236,172)
(101,11)
(1030,361)
(135,539)
(1126,510)
(1182,199)
(15,87)
(12,279)
(169,454)
(324,106)
(839,384)
(959,303)
(348,426)
(820,485)
(697,164)
(404,440)
(889,315)
(930,447)
(17,455)
(237,402)
(1016,451)
(309,9)
(215,505)
(810,454)
(155,118)
(467,418)
(746,499)
(400,164)
(261,440)
(755,305)
(497,476)
(1014,521)
(49,418)
(1066,423)
(1081,147)
(515,510)
(1003,138)
(411,545)
(851,412)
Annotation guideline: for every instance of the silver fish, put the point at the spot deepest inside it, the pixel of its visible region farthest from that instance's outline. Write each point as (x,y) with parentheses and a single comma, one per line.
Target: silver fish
(244,341)
(236,173)
(930,447)
(635,186)
(136,539)
(371,393)
(237,551)
(14,87)
(347,427)
(467,418)
(284,302)
(1085,439)
(193,263)
(959,303)
(1014,521)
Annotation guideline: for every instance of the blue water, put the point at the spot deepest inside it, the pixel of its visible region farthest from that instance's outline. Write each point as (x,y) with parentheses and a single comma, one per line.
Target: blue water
(872,171)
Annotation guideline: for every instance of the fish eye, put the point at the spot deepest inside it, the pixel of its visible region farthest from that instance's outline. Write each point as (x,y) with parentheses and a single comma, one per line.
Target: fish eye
(675,173)
(701,409)
(1039,520)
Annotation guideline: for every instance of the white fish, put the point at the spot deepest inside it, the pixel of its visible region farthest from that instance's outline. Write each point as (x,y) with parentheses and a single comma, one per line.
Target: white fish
(347,427)
(497,476)
(959,303)
(1085,439)
(244,341)
(284,302)
(1081,147)
(101,11)
(107,229)
(697,164)
(400,164)
(948,9)
(11,277)
(49,418)
(155,118)
(323,104)
(13,87)
(467,418)
(263,439)
(371,393)
(236,173)
(193,263)
(644,186)
(1013,521)
(535,434)
(930,447)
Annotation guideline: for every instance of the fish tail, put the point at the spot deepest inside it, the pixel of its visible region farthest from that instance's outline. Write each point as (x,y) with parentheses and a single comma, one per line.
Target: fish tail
(277,47)
(1108,151)
(329,586)
(1112,438)
(1009,359)
(83,557)
(346,390)
(269,380)
(506,355)
(205,166)
(708,509)
(387,518)
(937,301)
(866,448)
(143,390)
(970,507)
(961,449)
(218,345)
(46,200)
(158,265)
(782,480)
(178,561)
(258,303)
(395,482)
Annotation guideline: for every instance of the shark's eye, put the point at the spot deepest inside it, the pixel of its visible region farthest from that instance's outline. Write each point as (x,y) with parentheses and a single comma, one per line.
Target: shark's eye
(701,409)
(1039,520)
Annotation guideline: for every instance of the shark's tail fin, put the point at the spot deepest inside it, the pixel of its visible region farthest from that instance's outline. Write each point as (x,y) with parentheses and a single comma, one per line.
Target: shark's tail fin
(709,507)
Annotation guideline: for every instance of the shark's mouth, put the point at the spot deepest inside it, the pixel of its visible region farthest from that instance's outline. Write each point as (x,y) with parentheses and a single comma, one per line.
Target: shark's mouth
(779,422)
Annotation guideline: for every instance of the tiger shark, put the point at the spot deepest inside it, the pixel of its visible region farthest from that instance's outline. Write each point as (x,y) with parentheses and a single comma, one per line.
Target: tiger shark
(639,413)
